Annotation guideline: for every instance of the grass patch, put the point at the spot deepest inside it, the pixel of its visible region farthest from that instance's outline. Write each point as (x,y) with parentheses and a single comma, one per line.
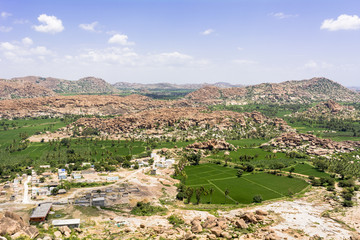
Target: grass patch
(241,190)
(307,169)
(146,209)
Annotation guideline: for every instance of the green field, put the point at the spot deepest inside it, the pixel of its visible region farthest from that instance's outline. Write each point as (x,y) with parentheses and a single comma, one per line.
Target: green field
(241,190)
(306,169)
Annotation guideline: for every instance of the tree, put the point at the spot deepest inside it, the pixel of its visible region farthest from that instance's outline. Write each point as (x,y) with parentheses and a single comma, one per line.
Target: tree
(227,191)
(291,170)
(239,173)
(193,158)
(211,191)
(189,193)
(257,198)
(198,193)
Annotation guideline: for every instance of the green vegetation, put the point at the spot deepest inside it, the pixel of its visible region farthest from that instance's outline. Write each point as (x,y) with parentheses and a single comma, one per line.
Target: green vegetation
(307,169)
(175,220)
(146,209)
(222,185)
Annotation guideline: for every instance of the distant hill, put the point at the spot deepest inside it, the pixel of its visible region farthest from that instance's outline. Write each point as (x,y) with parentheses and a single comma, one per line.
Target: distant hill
(304,91)
(329,110)
(169,86)
(13,89)
(83,85)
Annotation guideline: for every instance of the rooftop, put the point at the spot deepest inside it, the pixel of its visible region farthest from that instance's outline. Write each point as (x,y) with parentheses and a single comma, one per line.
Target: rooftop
(62,222)
(41,211)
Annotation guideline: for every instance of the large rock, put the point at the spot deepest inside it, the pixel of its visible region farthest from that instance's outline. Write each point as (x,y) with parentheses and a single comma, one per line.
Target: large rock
(196,227)
(261,212)
(217,231)
(249,217)
(241,224)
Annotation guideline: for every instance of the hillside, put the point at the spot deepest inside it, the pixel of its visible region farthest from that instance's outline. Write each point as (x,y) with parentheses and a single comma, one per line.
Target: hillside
(14,89)
(178,123)
(83,85)
(329,110)
(304,91)
(81,104)
(169,86)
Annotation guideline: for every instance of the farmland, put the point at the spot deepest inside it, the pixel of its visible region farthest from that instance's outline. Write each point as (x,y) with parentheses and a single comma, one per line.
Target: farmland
(241,189)
(306,169)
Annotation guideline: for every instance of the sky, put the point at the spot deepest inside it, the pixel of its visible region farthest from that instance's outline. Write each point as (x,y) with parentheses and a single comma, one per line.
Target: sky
(181,41)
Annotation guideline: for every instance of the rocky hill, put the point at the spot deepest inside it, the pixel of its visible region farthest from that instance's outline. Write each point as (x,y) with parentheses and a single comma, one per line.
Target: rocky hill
(310,144)
(169,86)
(83,85)
(329,110)
(304,91)
(178,123)
(13,89)
(81,104)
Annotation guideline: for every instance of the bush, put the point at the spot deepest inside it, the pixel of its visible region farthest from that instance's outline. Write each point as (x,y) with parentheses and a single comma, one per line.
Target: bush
(316,182)
(257,199)
(180,196)
(239,173)
(311,177)
(347,196)
(330,188)
(145,209)
(347,183)
(347,203)
(175,220)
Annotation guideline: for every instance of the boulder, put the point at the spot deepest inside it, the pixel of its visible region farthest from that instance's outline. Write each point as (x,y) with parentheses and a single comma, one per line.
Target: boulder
(64,229)
(212,236)
(210,222)
(241,224)
(261,212)
(57,234)
(249,217)
(217,231)
(226,235)
(189,235)
(196,228)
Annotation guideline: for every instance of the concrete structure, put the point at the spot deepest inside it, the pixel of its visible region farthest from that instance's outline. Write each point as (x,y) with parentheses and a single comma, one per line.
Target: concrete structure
(40,212)
(76,175)
(73,223)
(100,201)
(114,178)
(62,174)
(61,191)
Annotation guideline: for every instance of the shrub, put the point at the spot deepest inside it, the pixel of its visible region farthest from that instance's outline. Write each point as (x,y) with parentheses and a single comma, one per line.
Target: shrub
(330,188)
(257,198)
(239,173)
(347,203)
(180,196)
(316,182)
(347,183)
(145,209)
(175,220)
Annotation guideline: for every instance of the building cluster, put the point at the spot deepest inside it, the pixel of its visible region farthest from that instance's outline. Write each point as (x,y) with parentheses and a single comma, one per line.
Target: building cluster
(105,197)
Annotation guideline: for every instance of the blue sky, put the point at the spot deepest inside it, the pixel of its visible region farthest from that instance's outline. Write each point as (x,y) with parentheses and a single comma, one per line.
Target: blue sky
(189,41)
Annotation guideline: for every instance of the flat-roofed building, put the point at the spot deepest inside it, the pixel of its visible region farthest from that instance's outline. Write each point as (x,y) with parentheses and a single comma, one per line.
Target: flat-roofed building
(73,223)
(40,212)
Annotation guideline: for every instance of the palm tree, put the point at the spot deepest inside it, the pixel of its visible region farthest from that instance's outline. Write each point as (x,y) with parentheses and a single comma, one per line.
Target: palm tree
(211,190)
(226,194)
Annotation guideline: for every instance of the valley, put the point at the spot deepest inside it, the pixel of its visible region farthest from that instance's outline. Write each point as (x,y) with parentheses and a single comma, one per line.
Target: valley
(207,165)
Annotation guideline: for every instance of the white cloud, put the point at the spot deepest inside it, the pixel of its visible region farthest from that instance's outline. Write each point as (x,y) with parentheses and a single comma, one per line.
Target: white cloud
(244,62)
(281,15)
(5,29)
(120,39)
(343,22)
(312,64)
(50,24)
(5,14)
(89,27)
(19,52)
(208,31)
(240,48)
(27,41)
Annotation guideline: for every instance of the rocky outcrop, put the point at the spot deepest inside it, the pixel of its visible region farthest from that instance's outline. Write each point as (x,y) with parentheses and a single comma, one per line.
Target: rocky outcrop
(212,144)
(311,144)
(13,225)
(305,91)
(329,110)
(187,122)
(81,104)
(13,89)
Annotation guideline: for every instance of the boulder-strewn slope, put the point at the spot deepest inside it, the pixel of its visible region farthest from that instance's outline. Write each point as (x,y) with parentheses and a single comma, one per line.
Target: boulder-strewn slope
(83,85)
(81,104)
(329,110)
(304,91)
(186,123)
(310,144)
(14,89)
